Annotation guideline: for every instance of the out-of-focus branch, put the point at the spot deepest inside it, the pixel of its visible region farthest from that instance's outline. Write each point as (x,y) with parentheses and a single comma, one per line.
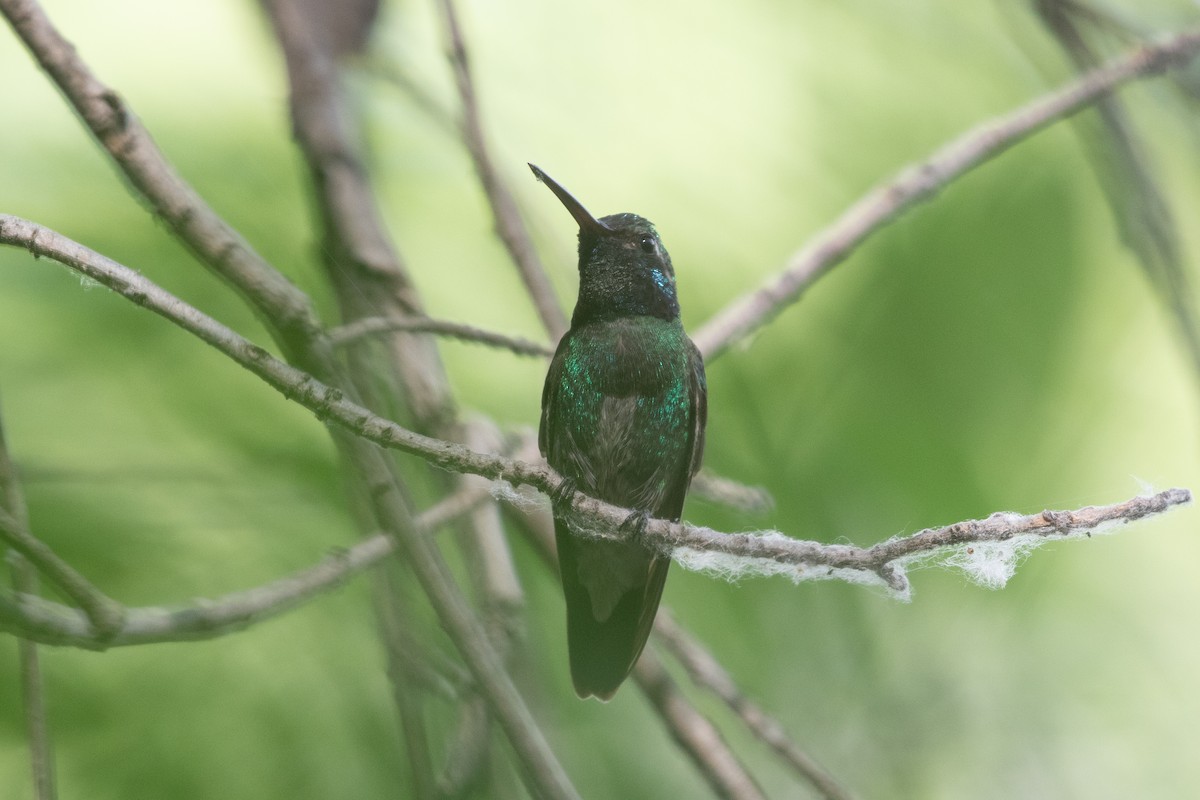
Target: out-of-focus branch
(755,554)
(1139,204)
(131,147)
(291,320)
(53,623)
(367,326)
(102,611)
(707,672)
(921,181)
(372,281)
(695,733)
(509,225)
(724,491)
(33,693)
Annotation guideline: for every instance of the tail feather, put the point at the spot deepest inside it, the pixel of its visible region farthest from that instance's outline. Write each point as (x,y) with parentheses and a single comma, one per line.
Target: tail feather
(603,652)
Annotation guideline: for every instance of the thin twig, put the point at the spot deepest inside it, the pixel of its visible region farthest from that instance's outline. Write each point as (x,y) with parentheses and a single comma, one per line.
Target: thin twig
(707,672)
(371,281)
(695,733)
(509,225)
(236,611)
(292,322)
(1139,204)
(33,691)
(771,552)
(502,603)
(102,611)
(117,129)
(921,181)
(349,333)
(405,665)
(727,492)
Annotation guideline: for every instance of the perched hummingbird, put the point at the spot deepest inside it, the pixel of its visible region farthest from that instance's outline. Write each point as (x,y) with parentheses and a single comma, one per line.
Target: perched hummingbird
(623,414)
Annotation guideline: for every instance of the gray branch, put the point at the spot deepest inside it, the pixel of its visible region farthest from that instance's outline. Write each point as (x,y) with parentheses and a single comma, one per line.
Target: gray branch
(509,225)
(923,180)
(707,672)
(368,326)
(769,552)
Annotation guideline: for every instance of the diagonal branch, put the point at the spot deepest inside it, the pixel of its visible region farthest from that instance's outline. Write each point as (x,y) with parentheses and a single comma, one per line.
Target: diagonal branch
(509,225)
(290,317)
(53,623)
(922,181)
(695,733)
(129,144)
(693,547)
(706,671)
(103,613)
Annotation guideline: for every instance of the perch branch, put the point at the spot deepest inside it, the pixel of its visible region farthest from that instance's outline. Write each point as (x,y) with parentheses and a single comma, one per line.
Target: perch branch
(764,553)
(923,180)
(694,733)
(368,326)
(509,225)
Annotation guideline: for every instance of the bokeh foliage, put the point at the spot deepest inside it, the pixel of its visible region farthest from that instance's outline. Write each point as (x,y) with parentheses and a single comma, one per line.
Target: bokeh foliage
(997,348)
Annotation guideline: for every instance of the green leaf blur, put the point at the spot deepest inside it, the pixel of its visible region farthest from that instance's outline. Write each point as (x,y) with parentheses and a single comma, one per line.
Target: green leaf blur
(994,349)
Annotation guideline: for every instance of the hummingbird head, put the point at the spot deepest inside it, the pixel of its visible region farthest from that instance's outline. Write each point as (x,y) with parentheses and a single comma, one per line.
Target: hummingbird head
(624,270)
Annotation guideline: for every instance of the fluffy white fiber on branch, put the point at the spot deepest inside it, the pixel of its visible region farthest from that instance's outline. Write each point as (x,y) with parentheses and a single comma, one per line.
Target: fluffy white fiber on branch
(987,551)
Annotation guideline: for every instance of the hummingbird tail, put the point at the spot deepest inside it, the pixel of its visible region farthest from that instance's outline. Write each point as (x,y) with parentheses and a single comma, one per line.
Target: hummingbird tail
(603,652)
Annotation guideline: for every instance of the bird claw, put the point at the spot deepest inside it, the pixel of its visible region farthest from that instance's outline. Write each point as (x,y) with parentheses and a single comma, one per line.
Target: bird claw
(634,525)
(564,493)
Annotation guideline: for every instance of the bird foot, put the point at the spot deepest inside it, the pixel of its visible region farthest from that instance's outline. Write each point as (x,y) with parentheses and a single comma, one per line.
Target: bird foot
(634,525)
(564,494)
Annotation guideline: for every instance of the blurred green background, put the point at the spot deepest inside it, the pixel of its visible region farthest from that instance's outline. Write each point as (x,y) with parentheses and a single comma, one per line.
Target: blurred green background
(995,349)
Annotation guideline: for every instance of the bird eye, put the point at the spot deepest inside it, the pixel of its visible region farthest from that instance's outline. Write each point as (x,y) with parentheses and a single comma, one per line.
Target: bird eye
(648,245)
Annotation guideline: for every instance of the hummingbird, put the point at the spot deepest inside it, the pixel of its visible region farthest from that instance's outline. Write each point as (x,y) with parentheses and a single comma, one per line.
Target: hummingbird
(623,414)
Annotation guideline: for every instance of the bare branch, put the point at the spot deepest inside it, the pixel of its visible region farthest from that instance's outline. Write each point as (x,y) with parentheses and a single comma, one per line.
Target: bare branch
(370,279)
(921,181)
(102,612)
(764,553)
(719,489)
(130,145)
(33,693)
(706,671)
(367,326)
(1139,203)
(53,623)
(509,225)
(293,323)
(698,737)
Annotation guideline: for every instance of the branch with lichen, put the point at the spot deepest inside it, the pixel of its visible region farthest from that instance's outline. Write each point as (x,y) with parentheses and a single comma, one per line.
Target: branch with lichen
(733,555)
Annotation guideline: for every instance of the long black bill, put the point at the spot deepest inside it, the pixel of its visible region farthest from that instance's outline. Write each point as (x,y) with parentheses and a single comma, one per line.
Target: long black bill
(587,223)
